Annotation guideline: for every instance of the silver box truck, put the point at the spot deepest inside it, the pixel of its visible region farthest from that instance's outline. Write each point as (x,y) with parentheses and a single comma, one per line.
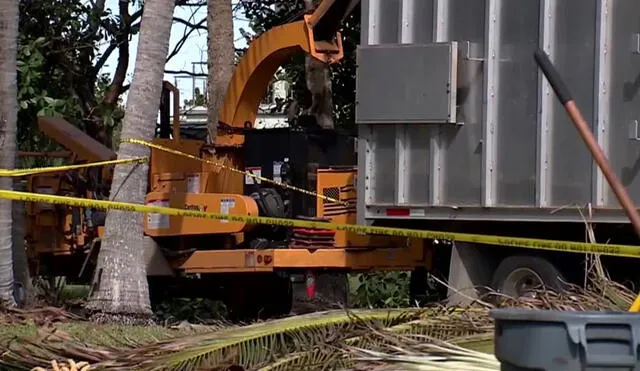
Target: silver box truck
(458,128)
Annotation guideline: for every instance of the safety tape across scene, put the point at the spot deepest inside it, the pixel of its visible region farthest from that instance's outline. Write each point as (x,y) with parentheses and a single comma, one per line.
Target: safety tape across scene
(530,243)
(230,168)
(53,169)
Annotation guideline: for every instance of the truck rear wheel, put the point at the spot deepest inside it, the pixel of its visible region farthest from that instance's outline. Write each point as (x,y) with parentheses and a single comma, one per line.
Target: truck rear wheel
(519,276)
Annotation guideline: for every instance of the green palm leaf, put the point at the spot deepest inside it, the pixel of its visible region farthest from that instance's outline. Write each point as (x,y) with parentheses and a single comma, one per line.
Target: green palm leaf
(260,343)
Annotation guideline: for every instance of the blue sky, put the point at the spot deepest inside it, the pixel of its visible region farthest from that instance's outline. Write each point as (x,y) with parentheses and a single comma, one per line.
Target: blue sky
(194,50)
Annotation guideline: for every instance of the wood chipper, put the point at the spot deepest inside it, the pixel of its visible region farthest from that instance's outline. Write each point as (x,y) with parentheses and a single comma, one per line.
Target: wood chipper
(300,172)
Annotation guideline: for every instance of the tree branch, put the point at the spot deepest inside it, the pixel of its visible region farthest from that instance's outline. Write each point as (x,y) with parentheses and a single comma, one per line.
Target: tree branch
(126,22)
(187,3)
(184,72)
(111,97)
(104,57)
(183,39)
(196,26)
(135,16)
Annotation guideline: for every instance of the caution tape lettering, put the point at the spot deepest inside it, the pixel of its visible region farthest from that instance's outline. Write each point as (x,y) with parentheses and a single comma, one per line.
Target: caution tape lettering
(564,246)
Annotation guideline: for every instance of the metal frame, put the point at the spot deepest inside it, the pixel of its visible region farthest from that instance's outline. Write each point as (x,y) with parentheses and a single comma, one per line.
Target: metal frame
(405,36)
(601,104)
(491,76)
(546,98)
(441,12)
(369,35)
(269,260)
(569,213)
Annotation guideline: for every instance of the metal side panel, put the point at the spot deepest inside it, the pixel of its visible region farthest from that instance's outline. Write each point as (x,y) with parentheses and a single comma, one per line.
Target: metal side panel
(515,119)
(574,55)
(406,83)
(514,154)
(461,147)
(624,139)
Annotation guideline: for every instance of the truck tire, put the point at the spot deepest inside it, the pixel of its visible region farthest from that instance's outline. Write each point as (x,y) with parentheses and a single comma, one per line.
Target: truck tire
(519,275)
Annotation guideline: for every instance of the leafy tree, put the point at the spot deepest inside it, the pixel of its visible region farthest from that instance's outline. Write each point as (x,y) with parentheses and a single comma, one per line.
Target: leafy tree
(265,14)
(59,65)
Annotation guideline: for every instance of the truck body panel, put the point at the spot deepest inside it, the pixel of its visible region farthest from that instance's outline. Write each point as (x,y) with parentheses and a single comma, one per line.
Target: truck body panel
(511,153)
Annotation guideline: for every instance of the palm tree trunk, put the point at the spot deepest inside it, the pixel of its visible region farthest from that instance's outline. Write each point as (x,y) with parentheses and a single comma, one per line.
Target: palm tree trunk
(22,276)
(220,57)
(319,84)
(8,121)
(120,282)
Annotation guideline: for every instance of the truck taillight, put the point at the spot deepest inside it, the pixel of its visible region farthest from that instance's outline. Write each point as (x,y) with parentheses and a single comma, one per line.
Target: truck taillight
(398,212)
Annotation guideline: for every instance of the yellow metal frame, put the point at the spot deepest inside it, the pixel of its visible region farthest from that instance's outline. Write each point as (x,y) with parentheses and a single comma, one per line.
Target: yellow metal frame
(268,260)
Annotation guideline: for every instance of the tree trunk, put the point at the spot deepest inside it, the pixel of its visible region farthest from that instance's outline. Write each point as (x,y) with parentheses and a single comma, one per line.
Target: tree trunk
(8,121)
(318,78)
(22,276)
(120,282)
(220,57)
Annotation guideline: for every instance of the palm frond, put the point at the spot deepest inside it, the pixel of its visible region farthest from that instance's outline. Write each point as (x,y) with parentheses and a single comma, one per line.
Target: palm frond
(438,359)
(260,343)
(420,352)
(353,339)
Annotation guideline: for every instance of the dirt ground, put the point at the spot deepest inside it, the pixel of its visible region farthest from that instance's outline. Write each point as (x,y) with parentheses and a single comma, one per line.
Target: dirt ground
(332,292)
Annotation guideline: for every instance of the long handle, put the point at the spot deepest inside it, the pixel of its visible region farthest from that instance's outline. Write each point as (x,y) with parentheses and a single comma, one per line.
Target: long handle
(580,123)
(561,90)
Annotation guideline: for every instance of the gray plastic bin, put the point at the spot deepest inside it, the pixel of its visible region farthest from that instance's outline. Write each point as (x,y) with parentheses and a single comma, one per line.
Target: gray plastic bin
(541,340)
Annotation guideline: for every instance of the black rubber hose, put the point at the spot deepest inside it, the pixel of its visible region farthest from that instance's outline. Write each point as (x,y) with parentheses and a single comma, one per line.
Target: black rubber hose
(552,75)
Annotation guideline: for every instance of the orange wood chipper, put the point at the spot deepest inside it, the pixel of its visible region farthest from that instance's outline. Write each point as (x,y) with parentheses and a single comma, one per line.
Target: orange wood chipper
(249,266)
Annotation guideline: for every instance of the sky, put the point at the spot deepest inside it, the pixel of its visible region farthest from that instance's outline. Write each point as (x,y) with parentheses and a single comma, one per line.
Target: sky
(194,50)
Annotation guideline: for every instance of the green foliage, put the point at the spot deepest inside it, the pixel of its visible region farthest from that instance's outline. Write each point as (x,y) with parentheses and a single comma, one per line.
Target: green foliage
(379,289)
(59,67)
(56,292)
(40,92)
(262,17)
(190,310)
(200,99)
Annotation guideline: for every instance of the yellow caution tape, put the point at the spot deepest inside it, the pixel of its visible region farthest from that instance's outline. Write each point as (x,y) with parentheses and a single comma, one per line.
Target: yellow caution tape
(249,174)
(529,243)
(52,169)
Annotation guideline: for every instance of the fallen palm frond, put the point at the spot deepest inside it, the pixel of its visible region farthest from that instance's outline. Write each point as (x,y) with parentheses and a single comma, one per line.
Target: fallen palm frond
(260,343)
(28,353)
(311,341)
(355,339)
(420,352)
(438,322)
(426,358)
(38,315)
